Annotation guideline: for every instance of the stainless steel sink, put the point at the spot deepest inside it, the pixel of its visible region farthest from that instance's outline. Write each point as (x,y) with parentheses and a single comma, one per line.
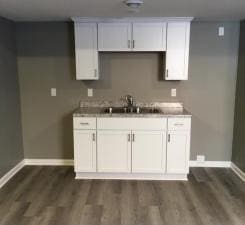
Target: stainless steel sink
(134,110)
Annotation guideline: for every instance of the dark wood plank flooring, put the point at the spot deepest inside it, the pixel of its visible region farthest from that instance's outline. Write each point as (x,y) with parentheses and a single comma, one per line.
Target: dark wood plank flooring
(51,196)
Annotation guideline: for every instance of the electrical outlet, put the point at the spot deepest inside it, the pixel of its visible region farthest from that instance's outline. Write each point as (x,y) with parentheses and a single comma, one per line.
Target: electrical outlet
(173,92)
(53,92)
(90,92)
(200,158)
(221,31)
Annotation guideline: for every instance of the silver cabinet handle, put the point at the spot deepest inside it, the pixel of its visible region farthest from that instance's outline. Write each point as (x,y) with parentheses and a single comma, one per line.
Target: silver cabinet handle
(93,136)
(169,138)
(128,43)
(95,72)
(84,123)
(166,72)
(133,137)
(133,43)
(178,124)
(129,138)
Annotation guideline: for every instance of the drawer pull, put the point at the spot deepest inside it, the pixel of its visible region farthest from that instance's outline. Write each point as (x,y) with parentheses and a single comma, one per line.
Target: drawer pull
(128,43)
(178,124)
(133,137)
(84,123)
(93,136)
(168,137)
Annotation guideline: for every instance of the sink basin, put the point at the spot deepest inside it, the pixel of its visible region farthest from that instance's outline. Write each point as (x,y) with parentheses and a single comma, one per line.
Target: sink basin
(143,110)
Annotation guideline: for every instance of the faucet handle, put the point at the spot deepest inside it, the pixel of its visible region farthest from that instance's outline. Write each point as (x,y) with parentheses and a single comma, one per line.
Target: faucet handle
(129,97)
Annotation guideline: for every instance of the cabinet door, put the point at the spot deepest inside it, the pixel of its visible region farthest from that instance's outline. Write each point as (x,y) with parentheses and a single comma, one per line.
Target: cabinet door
(85,150)
(114,36)
(148,151)
(178,145)
(114,151)
(177,56)
(149,37)
(86,51)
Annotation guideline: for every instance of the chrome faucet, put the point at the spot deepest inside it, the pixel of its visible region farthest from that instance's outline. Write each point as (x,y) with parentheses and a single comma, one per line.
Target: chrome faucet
(130,100)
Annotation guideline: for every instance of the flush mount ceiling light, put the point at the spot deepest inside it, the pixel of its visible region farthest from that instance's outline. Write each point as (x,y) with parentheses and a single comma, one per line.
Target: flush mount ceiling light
(133,4)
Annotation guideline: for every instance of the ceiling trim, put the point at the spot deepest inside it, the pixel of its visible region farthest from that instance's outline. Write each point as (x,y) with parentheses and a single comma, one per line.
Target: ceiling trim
(130,19)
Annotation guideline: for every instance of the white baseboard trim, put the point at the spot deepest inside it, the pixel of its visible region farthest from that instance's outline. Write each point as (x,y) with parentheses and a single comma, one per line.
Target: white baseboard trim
(70,162)
(11,173)
(238,171)
(221,164)
(49,162)
(130,176)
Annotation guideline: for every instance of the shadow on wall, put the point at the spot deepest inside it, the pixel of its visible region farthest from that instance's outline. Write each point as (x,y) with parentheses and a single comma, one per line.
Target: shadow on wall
(67,135)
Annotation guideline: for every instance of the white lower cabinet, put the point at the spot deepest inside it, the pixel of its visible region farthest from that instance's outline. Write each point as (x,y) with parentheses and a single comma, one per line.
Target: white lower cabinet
(132,148)
(114,151)
(85,150)
(148,151)
(178,145)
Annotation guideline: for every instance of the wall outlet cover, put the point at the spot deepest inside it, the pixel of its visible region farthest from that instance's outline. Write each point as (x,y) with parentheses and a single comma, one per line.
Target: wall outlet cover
(221,31)
(173,92)
(200,158)
(53,92)
(90,92)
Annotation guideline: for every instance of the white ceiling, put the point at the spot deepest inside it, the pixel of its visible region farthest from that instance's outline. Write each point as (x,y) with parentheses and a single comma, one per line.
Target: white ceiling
(45,10)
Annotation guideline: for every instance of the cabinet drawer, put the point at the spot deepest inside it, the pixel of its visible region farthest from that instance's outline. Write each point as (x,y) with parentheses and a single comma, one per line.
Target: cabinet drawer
(84,123)
(132,123)
(179,124)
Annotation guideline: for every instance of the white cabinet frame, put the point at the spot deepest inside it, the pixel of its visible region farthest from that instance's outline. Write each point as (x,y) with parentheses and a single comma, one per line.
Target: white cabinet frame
(87,61)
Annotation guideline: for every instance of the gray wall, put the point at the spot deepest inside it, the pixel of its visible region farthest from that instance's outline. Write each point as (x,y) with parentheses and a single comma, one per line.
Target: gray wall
(46,59)
(11,149)
(238,154)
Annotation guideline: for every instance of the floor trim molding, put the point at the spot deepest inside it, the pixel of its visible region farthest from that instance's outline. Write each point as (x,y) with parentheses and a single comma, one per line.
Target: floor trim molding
(130,176)
(238,171)
(49,162)
(221,164)
(11,173)
(70,162)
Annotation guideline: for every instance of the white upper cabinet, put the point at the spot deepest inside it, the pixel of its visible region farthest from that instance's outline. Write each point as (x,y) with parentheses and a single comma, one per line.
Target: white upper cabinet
(114,36)
(149,37)
(86,51)
(177,53)
(170,35)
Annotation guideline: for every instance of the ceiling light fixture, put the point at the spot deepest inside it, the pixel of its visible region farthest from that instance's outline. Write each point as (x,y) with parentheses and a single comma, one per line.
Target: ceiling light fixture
(133,4)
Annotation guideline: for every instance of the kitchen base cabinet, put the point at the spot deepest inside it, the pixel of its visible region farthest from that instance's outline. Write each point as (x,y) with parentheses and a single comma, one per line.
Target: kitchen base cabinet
(114,151)
(132,148)
(148,151)
(178,145)
(177,151)
(85,150)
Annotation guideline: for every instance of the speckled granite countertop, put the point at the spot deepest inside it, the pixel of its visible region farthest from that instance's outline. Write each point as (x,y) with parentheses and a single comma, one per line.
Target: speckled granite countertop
(97,109)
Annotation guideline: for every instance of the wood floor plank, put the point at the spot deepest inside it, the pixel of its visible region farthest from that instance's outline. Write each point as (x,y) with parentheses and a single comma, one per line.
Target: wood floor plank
(111,201)
(129,203)
(147,194)
(79,203)
(91,215)
(51,196)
